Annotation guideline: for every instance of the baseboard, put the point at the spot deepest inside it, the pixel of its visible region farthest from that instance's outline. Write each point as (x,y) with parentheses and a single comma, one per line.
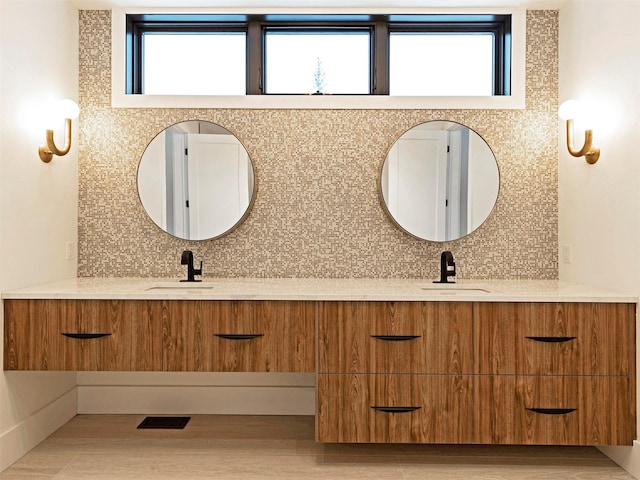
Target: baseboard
(184,399)
(21,438)
(196,393)
(627,457)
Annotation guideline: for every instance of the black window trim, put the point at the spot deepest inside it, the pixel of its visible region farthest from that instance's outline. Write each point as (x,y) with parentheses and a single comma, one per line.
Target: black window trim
(379,26)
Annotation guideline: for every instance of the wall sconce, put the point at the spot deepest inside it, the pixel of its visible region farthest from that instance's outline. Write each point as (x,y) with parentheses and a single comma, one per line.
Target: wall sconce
(67,110)
(570,111)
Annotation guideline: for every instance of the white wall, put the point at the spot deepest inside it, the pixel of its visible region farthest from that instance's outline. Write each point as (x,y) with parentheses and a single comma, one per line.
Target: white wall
(38,202)
(599,205)
(599,211)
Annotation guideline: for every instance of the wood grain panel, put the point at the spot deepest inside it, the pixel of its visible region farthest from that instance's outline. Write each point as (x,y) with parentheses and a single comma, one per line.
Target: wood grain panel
(285,342)
(35,340)
(28,340)
(604,410)
(345,413)
(596,338)
(438,337)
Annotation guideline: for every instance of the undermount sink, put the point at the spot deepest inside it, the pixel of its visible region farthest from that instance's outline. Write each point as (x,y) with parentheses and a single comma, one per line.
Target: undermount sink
(455,289)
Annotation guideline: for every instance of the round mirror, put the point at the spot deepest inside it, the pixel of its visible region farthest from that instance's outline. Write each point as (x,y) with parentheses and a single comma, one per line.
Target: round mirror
(196,180)
(439,181)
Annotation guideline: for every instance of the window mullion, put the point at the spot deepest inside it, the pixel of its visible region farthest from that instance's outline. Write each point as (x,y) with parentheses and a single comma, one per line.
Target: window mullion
(380,58)
(255,57)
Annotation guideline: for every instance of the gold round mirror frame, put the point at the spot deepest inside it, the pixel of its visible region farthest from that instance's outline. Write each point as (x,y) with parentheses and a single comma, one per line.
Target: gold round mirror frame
(439,162)
(175,168)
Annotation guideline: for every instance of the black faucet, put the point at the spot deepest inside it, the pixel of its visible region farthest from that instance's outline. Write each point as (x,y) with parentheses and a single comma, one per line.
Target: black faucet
(187,259)
(447,268)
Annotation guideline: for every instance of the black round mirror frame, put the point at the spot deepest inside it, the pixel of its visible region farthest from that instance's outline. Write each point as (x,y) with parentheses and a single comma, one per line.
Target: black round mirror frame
(493,196)
(252,191)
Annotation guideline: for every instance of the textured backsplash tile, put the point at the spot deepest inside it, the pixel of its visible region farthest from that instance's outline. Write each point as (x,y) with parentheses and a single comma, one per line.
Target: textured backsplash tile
(317,212)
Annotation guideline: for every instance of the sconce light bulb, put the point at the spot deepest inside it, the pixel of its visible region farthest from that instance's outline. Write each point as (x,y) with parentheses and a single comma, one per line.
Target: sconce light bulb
(67,109)
(58,111)
(581,114)
(570,110)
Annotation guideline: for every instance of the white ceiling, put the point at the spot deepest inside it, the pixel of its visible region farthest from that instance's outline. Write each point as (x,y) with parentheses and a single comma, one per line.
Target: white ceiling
(318,4)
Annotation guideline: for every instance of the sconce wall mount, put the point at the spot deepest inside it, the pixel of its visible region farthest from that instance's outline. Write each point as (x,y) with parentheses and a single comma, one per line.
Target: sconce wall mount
(569,111)
(67,109)
(590,152)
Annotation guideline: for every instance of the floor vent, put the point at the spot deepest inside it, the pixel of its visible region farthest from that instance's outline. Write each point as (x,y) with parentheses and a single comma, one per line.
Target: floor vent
(164,422)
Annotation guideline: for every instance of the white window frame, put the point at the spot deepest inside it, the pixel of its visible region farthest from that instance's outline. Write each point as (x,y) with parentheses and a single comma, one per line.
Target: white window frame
(515,101)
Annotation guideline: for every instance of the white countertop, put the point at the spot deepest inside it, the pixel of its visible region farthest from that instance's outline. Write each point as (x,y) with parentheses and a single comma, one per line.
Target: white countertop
(388,289)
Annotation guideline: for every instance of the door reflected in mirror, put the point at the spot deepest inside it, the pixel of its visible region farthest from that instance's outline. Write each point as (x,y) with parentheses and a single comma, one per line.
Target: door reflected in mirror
(196,180)
(439,181)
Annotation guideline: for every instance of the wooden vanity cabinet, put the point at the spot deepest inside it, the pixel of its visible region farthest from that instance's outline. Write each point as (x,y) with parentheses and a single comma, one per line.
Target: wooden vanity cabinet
(394,372)
(157,335)
(486,373)
(239,336)
(83,335)
(554,373)
(386,372)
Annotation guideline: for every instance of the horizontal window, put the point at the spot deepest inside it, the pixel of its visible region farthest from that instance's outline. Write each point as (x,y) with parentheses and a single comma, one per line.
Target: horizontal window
(440,64)
(203,64)
(317,62)
(398,55)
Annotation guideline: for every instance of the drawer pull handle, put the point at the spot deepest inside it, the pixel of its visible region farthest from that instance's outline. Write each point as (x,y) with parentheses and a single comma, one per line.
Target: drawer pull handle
(396,409)
(239,336)
(395,338)
(86,336)
(552,411)
(552,339)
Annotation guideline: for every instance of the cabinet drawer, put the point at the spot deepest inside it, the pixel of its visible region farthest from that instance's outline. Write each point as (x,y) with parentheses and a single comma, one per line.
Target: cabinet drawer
(83,335)
(554,338)
(239,336)
(559,410)
(394,408)
(395,337)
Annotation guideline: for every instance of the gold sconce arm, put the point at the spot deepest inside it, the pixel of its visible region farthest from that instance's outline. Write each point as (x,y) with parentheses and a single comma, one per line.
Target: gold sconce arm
(590,152)
(49,149)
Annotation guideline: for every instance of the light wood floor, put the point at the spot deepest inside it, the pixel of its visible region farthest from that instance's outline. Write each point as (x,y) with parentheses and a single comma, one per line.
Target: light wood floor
(276,447)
